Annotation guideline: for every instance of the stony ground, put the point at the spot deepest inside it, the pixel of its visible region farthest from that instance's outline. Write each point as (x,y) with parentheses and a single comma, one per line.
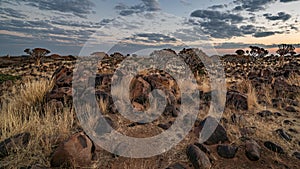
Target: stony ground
(259,128)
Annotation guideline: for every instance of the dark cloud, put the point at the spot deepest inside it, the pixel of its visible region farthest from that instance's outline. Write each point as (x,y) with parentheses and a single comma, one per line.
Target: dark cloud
(265,34)
(217,6)
(146,5)
(152,5)
(280,16)
(80,8)
(220,29)
(189,35)
(217,24)
(248,29)
(76,24)
(21,43)
(252,5)
(44,29)
(285,1)
(105,21)
(9,12)
(151,38)
(217,15)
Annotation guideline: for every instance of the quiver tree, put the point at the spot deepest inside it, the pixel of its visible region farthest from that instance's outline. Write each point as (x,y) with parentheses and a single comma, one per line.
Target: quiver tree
(37,53)
(240,52)
(256,51)
(285,49)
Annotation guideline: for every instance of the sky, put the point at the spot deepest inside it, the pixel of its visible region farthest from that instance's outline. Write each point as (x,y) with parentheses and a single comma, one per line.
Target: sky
(81,27)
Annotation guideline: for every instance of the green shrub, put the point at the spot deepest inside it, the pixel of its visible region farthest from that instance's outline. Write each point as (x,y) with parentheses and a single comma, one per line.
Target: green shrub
(6,77)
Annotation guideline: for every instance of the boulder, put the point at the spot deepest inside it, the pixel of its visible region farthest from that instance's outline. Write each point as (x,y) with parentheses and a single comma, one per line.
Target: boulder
(252,150)
(219,134)
(77,151)
(227,151)
(237,100)
(197,157)
(273,147)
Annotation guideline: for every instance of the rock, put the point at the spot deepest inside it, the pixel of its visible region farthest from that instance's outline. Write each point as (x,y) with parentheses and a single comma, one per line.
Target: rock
(12,143)
(62,77)
(238,100)
(247,131)
(177,166)
(202,148)
(277,114)
(252,150)
(287,122)
(297,155)
(165,126)
(197,157)
(265,113)
(139,90)
(293,131)
(290,109)
(219,134)
(273,147)
(227,151)
(76,151)
(283,134)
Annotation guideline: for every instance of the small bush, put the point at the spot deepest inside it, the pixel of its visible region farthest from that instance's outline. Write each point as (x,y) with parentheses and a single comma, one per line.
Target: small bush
(6,77)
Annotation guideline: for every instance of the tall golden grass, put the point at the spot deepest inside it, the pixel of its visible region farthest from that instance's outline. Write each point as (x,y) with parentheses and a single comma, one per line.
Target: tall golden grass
(21,112)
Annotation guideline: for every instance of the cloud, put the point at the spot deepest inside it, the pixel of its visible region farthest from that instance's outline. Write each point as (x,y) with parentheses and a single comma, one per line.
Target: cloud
(30,42)
(265,34)
(151,5)
(248,29)
(189,35)
(185,2)
(280,16)
(252,5)
(217,15)
(9,12)
(151,38)
(80,8)
(146,5)
(78,24)
(285,1)
(217,6)
(217,24)
(44,29)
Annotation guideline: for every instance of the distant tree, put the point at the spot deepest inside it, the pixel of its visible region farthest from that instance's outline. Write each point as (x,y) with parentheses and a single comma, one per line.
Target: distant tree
(37,53)
(285,49)
(256,51)
(240,52)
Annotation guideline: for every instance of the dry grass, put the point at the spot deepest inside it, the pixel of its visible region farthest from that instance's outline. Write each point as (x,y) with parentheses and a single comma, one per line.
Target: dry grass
(252,97)
(294,79)
(22,113)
